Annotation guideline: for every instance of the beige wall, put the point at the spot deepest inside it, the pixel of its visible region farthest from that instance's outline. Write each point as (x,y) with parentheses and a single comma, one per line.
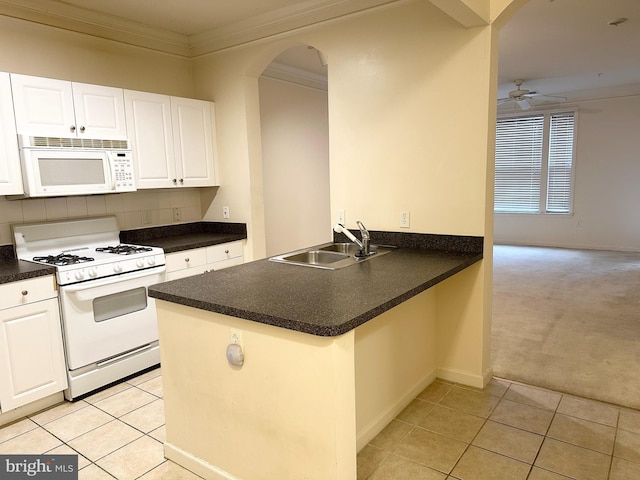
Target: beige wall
(295,161)
(401,136)
(34,49)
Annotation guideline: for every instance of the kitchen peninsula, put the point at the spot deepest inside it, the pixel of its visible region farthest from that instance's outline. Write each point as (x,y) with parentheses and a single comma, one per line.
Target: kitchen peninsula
(330,357)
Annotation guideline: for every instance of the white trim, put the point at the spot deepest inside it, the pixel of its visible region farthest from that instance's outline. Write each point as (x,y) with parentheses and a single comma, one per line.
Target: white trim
(77,19)
(375,426)
(195,464)
(465,378)
(296,76)
(30,408)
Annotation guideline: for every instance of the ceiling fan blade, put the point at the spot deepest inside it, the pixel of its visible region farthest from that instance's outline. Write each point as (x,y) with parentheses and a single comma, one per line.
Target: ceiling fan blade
(551,98)
(523,104)
(504,100)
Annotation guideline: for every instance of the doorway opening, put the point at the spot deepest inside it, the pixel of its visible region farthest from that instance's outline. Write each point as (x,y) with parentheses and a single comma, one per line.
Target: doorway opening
(294,126)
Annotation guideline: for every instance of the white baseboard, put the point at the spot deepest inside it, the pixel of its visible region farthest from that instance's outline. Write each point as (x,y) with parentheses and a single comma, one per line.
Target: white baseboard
(195,464)
(30,408)
(465,378)
(375,426)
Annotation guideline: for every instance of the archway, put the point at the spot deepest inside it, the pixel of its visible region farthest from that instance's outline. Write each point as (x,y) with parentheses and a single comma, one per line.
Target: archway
(295,150)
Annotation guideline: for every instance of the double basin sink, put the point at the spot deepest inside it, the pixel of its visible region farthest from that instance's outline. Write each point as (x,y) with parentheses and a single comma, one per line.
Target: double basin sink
(330,256)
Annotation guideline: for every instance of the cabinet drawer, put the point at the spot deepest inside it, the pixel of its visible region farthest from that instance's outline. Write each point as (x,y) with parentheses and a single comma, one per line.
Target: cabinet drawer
(27,291)
(224,251)
(226,263)
(186,259)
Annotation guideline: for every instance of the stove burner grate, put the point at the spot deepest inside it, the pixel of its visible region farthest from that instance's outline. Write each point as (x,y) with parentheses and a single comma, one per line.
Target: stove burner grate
(124,249)
(63,259)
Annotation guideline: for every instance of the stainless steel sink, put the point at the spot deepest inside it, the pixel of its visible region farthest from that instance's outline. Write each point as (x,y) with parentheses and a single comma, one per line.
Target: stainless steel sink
(330,256)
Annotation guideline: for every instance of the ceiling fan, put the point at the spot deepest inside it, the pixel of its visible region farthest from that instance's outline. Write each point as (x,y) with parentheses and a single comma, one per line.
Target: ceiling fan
(522,96)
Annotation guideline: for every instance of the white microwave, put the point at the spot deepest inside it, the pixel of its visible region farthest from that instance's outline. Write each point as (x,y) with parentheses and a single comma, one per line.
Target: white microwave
(61,166)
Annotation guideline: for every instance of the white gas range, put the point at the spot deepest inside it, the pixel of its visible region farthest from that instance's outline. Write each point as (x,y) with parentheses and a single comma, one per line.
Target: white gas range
(109,322)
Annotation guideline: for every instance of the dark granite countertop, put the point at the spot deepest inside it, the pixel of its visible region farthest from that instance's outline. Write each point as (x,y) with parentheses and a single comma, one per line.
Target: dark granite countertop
(175,238)
(15,270)
(326,302)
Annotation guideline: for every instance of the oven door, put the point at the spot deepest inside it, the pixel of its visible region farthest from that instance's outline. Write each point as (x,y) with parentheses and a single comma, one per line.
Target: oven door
(109,316)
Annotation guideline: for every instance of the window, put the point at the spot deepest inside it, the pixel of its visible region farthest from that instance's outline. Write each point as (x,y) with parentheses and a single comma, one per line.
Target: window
(534,163)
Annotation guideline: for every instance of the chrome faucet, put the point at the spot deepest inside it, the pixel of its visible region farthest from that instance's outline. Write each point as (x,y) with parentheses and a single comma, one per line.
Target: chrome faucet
(366,240)
(364,245)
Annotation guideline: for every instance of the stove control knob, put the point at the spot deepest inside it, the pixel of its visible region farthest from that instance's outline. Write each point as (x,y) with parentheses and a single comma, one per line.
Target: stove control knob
(79,275)
(93,272)
(117,268)
(140,263)
(151,261)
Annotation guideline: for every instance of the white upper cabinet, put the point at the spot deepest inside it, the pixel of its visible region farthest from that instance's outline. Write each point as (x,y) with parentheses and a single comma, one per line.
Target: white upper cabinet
(172,140)
(56,108)
(193,141)
(10,176)
(151,138)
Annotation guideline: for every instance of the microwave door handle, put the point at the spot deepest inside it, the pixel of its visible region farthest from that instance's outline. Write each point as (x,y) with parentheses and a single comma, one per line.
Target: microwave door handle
(112,173)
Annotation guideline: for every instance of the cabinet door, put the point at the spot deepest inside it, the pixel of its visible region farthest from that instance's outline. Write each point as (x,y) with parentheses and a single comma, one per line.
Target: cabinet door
(31,355)
(43,106)
(149,127)
(193,138)
(10,176)
(99,111)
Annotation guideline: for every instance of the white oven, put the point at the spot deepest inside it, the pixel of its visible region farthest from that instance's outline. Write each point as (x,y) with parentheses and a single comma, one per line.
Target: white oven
(96,313)
(109,322)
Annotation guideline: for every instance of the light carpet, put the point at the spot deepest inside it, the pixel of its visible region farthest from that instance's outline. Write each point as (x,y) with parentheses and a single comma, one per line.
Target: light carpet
(568,320)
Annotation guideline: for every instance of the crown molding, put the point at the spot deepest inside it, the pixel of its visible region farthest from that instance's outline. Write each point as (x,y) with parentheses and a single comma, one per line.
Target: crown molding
(298,76)
(72,18)
(282,20)
(69,17)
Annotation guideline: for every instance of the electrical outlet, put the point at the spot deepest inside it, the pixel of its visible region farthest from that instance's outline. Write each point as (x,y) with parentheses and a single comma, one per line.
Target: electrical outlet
(177,214)
(147,219)
(235,336)
(341,216)
(225,212)
(405,219)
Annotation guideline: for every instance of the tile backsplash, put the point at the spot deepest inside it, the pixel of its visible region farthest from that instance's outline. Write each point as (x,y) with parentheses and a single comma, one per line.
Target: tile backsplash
(139,209)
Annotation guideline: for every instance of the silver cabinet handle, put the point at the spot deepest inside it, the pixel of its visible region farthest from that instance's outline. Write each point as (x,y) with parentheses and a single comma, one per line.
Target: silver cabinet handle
(174,180)
(25,293)
(182,180)
(227,252)
(72,128)
(82,129)
(186,259)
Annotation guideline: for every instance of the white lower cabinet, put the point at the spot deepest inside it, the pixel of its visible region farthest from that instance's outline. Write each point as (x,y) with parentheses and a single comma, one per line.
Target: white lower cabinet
(199,260)
(32,362)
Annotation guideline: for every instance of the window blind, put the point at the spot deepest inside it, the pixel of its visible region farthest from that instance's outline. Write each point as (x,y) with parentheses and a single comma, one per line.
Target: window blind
(518,164)
(560,163)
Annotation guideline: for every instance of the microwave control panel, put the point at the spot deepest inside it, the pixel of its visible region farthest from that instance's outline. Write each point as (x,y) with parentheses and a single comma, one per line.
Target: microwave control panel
(123,171)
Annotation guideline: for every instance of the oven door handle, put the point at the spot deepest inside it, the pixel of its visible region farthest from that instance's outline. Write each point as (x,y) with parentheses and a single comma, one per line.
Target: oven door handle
(80,287)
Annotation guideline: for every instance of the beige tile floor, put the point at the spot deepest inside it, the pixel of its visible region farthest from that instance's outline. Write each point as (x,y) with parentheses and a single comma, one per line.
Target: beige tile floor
(116,433)
(507,431)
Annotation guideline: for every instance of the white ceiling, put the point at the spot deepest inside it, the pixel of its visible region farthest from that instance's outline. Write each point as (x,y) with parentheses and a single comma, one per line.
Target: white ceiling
(566,47)
(557,46)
